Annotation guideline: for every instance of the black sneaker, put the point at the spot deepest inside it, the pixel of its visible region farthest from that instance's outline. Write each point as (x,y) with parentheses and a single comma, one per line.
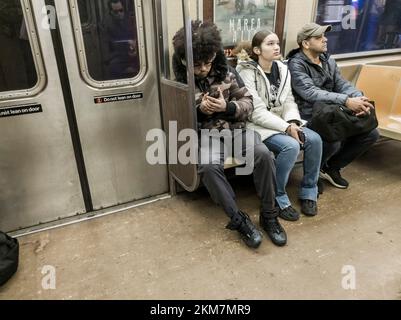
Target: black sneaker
(274,229)
(289,214)
(309,207)
(251,236)
(334,177)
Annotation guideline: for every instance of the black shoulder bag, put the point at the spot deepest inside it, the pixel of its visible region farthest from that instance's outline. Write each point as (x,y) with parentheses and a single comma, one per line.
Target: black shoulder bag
(9,252)
(334,122)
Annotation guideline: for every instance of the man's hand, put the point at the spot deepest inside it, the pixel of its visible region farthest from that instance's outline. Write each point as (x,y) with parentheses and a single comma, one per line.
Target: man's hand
(204,107)
(132,48)
(217,104)
(292,131)
(359,105)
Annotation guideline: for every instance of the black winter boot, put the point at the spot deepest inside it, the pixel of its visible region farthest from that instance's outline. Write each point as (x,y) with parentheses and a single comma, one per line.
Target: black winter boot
(251,236)
(274,229)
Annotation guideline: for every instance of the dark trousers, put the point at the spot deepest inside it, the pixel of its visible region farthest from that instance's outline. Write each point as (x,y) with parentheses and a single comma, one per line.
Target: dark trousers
(259,156)
(339,154)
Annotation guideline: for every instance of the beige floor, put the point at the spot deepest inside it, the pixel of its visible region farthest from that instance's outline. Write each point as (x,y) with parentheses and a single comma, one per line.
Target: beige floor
(179,249)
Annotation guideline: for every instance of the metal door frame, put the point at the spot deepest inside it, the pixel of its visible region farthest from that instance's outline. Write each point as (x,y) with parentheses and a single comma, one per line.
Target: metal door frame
(44,183)
(121,177)
(188,89)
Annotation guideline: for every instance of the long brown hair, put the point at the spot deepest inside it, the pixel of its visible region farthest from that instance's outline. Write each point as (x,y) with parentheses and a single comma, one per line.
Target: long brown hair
(257,41)
(249,45)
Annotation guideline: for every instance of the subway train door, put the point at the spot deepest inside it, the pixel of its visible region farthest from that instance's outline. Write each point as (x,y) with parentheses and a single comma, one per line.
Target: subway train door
(177,98)
(112,70)
(39,178)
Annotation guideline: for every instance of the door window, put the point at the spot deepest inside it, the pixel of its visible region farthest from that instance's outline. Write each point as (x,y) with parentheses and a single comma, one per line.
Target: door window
(111,45)
(17,65)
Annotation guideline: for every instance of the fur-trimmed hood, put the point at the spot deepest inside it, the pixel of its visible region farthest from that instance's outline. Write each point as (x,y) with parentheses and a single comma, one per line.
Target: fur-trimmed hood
(219,68)
(239,100)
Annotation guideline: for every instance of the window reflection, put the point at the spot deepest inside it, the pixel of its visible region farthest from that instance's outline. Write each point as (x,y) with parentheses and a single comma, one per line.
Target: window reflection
(111,42)
(84,12)
(174,20)
(17,67)
(377,24)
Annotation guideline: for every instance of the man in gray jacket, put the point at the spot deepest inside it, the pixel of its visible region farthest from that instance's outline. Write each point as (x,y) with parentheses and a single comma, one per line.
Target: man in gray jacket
(316,78)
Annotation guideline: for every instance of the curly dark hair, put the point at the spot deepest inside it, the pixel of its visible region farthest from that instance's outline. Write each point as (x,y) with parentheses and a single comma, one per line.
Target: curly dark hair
(206,41)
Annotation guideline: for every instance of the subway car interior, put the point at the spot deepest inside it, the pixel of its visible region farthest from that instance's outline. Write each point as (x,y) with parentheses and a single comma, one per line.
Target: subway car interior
(87,86)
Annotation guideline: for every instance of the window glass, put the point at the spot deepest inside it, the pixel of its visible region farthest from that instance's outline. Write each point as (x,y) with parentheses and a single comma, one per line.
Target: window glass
(361,25)
(17,67)
(84,11)
(111,41)
(173,21)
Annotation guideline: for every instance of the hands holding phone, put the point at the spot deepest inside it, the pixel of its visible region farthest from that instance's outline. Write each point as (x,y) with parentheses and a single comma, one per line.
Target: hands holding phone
(296,132)
(213,102)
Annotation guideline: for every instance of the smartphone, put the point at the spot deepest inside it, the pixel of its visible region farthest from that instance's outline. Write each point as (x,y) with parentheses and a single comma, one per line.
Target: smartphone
(301,137)
(214,94)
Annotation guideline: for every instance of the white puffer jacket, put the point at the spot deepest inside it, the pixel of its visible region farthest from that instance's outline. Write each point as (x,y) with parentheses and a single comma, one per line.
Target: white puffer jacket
(264,120)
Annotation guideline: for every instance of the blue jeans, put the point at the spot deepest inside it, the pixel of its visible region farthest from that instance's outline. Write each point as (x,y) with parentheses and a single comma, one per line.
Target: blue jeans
(286,150)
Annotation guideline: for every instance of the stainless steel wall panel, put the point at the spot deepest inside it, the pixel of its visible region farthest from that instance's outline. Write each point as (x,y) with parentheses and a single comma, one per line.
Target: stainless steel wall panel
(38,175)
(113,134)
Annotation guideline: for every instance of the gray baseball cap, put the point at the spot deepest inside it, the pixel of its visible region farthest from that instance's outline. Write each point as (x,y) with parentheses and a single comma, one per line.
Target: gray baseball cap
(311,30)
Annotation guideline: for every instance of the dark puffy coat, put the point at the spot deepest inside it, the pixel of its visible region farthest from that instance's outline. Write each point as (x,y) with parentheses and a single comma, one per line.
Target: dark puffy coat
(239,100)
(312,83)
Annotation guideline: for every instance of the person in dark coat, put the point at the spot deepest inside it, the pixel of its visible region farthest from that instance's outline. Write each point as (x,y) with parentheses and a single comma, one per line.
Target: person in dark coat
(316,78)
(222,105)
(119,42)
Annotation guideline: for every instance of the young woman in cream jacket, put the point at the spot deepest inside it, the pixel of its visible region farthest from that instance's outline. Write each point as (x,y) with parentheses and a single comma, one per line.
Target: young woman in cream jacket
(276,118)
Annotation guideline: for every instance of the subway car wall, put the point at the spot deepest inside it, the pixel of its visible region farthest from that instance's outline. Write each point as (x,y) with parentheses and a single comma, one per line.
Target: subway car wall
(69,149)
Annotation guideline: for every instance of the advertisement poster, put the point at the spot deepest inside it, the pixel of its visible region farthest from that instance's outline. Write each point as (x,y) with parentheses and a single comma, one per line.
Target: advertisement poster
(239,20)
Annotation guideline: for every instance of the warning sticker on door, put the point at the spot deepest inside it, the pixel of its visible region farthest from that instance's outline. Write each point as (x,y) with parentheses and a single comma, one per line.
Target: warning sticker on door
(20,110)
(119,98)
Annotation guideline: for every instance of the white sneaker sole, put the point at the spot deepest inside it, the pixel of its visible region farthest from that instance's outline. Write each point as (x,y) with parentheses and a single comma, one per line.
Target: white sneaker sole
(329,179)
